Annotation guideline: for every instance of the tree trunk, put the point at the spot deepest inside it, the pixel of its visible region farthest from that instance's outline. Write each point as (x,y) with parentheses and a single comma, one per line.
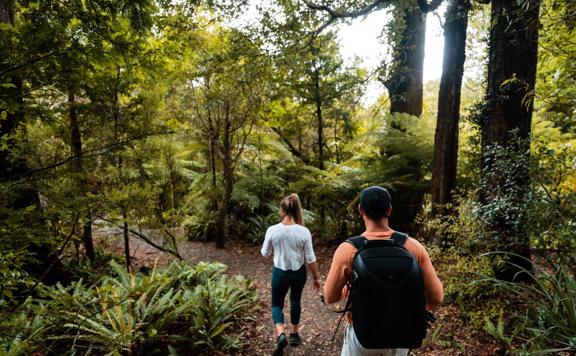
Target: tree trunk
(320,132)
(119,165)
(505,128)
(336,151)
(211,138)
(76,144)
(404,82)
(405,89)
(446,138)
(320,120)
(126,243)
(212,230)
(211,149)
(7,11)
(228,170)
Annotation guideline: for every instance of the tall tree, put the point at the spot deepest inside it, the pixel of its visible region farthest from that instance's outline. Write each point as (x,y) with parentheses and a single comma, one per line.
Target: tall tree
(321,82)
(78,169)
(228,92)
(446,138)
(505,126)
(404,77)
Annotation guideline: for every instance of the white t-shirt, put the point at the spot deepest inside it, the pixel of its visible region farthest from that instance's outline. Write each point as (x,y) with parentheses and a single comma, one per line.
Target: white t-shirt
(292,245)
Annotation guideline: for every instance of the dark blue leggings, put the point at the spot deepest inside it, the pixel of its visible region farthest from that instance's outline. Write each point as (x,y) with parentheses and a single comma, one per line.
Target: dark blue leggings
(281,282)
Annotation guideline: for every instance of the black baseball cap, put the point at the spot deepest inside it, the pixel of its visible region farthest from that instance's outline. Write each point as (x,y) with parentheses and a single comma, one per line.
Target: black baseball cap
(375,201)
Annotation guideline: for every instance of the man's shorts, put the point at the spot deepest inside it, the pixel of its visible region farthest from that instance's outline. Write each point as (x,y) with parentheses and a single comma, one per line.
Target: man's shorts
(352,347)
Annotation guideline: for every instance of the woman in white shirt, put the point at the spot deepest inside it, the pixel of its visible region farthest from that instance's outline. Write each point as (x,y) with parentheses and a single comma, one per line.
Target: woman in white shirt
(291,243)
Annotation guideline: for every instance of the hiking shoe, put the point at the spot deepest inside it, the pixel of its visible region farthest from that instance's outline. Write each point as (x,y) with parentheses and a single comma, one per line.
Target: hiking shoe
(295,339)
(281,344)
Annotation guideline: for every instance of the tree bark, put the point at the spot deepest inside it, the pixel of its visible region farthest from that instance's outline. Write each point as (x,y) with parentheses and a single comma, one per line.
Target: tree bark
(405,89)
(211,149)
(319,118)
(76,144)
(119,165)
(404,82)
(228,170)
(211,138)
(505,126)
(336,151)
(446,139)
(7,11)
(126,243)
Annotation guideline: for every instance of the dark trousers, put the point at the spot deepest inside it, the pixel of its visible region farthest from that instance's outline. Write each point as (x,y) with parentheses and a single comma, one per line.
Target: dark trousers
(281,282)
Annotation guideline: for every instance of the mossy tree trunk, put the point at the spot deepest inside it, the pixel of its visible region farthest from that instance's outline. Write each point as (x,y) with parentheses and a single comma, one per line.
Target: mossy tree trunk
(505,125)
(405,77)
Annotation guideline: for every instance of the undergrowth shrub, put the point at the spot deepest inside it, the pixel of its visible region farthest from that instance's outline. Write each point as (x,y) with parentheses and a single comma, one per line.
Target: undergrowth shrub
(554,179)
(458,253)
(545,320)
(189,309)
(525,318)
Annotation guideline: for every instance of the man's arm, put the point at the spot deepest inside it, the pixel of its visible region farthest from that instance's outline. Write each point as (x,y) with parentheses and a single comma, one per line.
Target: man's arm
(432,284)
(339,273)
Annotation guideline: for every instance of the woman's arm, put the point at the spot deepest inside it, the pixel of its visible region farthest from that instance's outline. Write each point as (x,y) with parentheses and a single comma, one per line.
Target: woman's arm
(316,284)
(266,248)
(308,249)
(311,260)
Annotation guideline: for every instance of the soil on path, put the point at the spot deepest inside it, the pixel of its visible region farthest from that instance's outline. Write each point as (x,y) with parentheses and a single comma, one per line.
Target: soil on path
(449,335)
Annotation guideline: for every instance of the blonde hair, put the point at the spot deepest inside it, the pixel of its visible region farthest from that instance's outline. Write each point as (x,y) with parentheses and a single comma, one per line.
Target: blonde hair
(290,206)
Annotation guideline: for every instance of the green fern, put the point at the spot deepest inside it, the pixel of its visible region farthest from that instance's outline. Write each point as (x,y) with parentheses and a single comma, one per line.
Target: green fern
(181,304)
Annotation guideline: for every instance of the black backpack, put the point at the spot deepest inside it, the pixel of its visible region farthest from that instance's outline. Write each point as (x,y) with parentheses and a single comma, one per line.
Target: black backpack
(387,295)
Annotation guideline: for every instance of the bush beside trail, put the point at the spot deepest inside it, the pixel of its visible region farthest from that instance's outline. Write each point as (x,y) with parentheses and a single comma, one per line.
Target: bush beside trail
(177,309)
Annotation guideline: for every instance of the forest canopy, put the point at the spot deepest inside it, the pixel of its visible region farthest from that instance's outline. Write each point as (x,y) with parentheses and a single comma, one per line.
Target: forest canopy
(175,122)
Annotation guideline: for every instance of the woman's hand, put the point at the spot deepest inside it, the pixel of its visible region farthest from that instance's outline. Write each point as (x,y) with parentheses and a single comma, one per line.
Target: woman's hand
(317,285)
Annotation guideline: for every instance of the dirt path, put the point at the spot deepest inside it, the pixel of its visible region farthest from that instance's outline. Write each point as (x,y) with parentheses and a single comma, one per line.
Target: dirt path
(318,322)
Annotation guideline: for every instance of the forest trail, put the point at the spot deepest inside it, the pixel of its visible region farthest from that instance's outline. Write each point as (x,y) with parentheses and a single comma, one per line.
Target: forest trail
(449,336)
(317,322)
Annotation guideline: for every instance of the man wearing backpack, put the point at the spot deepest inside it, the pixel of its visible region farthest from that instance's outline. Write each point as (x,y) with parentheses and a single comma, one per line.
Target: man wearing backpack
(389,280)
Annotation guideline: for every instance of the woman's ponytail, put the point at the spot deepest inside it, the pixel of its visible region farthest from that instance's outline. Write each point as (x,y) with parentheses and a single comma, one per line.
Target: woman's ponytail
(290,206)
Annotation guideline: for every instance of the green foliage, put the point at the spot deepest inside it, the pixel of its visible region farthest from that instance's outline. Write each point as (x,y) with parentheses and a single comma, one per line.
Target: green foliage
(555,92)
(547,316)
(11,274)
(193,308)
(497,330)
(460,259)
(553,175)
(22,330)
(506,208)
(182,115)
(257,226)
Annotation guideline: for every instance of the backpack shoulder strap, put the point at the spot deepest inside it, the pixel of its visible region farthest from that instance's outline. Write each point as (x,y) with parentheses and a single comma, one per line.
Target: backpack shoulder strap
(399,237)
(356,241)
